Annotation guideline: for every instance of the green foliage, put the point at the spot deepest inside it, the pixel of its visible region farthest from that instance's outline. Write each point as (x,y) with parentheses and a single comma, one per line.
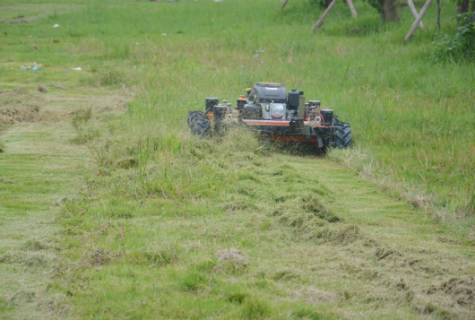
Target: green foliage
(192,281)
(81,117)
(471,205)
(461,44)
(363,26)
(320,3)
(377,4)
(112,78)
(255,309)
(84,130)
(388,9)
(310,313)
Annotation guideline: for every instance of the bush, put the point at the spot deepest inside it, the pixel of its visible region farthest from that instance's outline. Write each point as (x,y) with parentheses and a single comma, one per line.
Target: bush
(112,78)
(320,3)
(460,45)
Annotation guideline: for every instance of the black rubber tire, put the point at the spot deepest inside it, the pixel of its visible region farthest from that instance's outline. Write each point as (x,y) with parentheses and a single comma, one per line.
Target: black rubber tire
(199,123)
(343,137)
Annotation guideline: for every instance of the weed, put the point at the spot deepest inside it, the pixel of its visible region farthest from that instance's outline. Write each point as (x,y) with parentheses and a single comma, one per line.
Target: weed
(192,281)
(100,257)
(85,135)
(4,306)
(285,275)
(158,258)
(206,266)
(81,117)
(111,78)
(237,297)
(34,245)
(308,313)
(254,309)
(471,205)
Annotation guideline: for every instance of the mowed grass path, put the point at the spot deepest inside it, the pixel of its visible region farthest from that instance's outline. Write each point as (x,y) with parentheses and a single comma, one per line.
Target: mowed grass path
(361,254)
(281,237)
(38,168)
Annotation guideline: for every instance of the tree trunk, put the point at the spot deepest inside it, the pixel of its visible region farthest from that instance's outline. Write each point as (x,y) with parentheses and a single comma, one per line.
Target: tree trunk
(438,15)
(462,6)
(390,12)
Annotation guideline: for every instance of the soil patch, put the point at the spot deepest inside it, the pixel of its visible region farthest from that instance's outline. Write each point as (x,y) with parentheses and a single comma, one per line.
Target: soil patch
(231,260)
(312,295)
(461,290)
(18,106)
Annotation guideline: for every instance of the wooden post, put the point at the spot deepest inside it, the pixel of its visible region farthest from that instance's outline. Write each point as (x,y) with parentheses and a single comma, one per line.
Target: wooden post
(284,3)
(322,17)
(354,14)
(418,20)
(411,5)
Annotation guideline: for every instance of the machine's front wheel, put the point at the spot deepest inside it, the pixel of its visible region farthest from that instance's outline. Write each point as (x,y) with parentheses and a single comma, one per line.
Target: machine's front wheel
(343,137)
(199,123)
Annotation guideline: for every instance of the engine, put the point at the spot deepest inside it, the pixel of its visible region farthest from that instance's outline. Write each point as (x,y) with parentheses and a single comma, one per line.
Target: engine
(273,110)
(271,101)
(266,101)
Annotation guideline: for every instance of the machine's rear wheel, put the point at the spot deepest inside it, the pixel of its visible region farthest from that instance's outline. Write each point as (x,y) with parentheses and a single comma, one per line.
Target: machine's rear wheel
(198,123)
(343,137)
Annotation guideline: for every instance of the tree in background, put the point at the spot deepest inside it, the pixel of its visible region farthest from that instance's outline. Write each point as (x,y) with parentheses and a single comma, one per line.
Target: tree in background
(463,6)
(322,3)
(466,8)
(387,8)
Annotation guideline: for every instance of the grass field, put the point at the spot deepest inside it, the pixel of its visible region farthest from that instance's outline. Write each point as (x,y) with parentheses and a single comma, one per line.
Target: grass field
(168,226)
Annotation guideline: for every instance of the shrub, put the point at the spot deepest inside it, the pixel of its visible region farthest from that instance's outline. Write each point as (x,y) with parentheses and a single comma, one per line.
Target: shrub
(112,78)
(461,44)
(81,117)
(388,9)
(321,3)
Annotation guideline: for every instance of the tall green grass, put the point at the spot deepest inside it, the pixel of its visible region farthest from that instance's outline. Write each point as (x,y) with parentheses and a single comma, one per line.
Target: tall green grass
(414,117)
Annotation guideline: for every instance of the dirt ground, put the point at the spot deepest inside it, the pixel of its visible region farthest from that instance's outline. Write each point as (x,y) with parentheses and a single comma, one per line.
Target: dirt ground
(18,106)
(23,105)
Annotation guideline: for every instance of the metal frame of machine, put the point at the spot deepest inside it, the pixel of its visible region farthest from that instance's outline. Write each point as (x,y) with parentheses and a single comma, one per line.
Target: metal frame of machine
(275,113)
